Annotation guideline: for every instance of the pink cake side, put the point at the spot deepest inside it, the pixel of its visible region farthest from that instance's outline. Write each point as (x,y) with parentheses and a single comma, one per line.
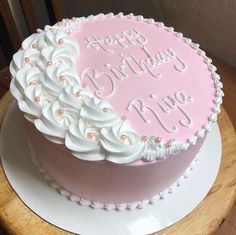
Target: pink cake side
(106,182)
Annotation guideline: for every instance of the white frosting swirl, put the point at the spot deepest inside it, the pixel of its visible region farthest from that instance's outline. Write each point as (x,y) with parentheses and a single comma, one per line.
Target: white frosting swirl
(33,41)
(58,55)
(53,36)
(83,139)
(24,58)
(59,77)
(35,98)
(121,143)
(99,113)
(75,96)
(55,120)
(29,76)
(58,38)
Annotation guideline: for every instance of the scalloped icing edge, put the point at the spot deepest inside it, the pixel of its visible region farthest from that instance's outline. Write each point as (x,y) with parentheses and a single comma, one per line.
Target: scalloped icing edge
(71,25)
(109,206)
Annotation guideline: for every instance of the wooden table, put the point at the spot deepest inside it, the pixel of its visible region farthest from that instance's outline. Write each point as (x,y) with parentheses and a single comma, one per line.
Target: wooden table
(16,218)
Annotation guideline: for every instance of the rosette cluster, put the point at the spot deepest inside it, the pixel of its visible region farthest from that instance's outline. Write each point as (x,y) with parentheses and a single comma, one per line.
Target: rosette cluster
(42,68)
(48,91)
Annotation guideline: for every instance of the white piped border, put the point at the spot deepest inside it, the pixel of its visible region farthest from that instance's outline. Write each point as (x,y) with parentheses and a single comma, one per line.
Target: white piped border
(109,206)
(72,25)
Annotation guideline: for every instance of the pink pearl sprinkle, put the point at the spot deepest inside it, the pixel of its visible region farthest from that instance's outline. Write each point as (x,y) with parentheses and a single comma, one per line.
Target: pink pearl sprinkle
(49,63)
(37,99)
(62,78)
(78,94)
(27,59)
(168,144)
(61,111)
(158,140)
(90,135)
(123,137)
(145,138)
(105,110)
(34,45)
(60,41)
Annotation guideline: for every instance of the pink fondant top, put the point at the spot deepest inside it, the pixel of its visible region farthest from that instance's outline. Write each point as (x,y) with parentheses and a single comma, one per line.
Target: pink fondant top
(151,76)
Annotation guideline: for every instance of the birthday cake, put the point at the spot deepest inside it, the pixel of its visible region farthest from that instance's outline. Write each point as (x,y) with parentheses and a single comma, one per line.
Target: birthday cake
(116,107)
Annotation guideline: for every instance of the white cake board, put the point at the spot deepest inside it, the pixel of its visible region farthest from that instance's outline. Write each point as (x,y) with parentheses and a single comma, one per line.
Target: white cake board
(34,191)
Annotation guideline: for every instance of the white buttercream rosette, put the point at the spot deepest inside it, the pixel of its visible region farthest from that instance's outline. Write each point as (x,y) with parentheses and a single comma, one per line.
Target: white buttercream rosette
(55,37)
(55,120)
(83,138)
(121,143)
(25,58)
(50,36)
(35,99)
(58,77)
(99,112)
(28,76)
(75,96)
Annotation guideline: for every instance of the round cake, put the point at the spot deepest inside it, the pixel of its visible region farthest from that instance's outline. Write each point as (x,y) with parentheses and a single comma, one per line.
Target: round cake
(116,107)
